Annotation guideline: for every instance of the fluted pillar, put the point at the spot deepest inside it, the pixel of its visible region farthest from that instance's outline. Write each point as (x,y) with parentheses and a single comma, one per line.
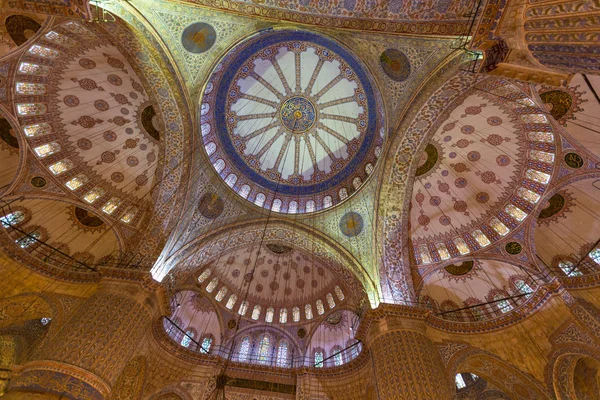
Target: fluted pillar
(406,363)
(84,357)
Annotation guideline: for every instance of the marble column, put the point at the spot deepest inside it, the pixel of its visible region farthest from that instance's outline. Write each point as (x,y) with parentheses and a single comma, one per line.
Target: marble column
(406,363)
(83,357)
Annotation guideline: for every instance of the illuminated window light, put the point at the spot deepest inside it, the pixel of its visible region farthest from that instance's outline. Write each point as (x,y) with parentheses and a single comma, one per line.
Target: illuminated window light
(330,300)
(542,156)
(33,69)
(243,308)
(339,293)
(534,118)
(276,206)
(12,219)
(327,202)
(31,109)
(204,275)
(256,312)
(129,215)
(231,180)
(210,148)
(26,88)
(110,206)
(537,176)
(369,169)
(480,238)
(546,137)
(269,315)
(221,293)
(320,308)
(296,314)
(424,254)
(93,195)
(231,301)
(343,193)
(283,316)
(260,199)
(37,129)
(244,191)
(442,251)
(46,150)
(212,285)
(293,207)
(76,182)
(219,165)
(515,212)
(356,182)
(308,311)
(499,227)
(41,51)
(61,166)
(461,246)
(528,195)
(310,206)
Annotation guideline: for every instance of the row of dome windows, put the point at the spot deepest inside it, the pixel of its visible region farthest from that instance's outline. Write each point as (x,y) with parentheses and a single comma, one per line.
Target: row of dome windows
(13,219)
(270,313)
(40,129)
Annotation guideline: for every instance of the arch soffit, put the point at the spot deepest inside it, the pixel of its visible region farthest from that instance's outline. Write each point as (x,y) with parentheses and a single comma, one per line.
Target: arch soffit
(561,366)
(36,306)
(213,303)
(270,330)
(237,235)
(23,148)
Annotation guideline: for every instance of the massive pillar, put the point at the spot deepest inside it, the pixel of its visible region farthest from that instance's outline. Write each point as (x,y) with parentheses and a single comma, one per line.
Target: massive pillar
(406,363)
(83,358)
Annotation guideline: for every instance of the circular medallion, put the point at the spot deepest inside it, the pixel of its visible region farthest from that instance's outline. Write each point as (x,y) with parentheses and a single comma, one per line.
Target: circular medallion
(573,160)
(292,118)
(301,333)
(460,269)
(351,224)
(395,64)
(198,37)
(297,114)
(513,248)
(210,205)
(231,324)
(38,182)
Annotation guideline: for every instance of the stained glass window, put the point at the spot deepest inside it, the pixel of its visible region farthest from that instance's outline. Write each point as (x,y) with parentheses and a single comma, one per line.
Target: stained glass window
(129,215)
(219,165)
(37,129)
(369,169)
(330,300)
(526,101)
(283,316)
(243,308)
(547,137)
(221,293)
(210,148)
(523,288)
(293,207)
(320,308)
(110,206)
(33,69)
(12,219)
(515,212)
(534,118)
(377,151)
(476,313)
(276,206)
(528,195)
(45,321)
(263,350)
(475,377)
(460,382)
(244,191)
(187,339)
(480,238)
(354,351)
(205,346)
(537,176)
(260,199)
(442,251)
(339,293)
(595,255)
(269,315)
(61,166)
(343,193)
(308,311)
(282,354)
(61,39)
(310,206)
(31,109)
(41,51)
(569,268)
(204,108)
(319,359)
(27,88)
(296,314)
(231,301)
(256,312)
(212,285)
(542,156)
(461,246)
(424,254)
(28,240)
(231,180)
(499,227)
(327,202)
(205,128)
(337,358)
(93,195)
(76,182)
(47,149)
(356,182)
(244,349)
(503,305)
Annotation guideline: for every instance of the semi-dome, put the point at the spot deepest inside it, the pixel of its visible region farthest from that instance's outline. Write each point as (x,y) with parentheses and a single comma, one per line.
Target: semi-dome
(292,121)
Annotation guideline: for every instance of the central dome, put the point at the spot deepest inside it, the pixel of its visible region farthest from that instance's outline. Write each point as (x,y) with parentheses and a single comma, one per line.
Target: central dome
(292,121)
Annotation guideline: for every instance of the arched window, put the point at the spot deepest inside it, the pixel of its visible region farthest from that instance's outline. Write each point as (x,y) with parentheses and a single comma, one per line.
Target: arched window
(187,339)
(339,293)
(310,206)
(256,312)
(327,201)
(595,255)
(210,148)
(206,343)
(369,168)
(337,356)
(263,350)
(460,382)
(523,288)
(244,191)
(12,219)
(542,156)
(537,176)
(320,308)
(330,300)
(569,268)
(308,311)
(45,320)
(28,240)
(76,182)
(461,246)
(93,195)
(27,88)
(231,301)
(43,51)
(283,316)
(528,195)
(424,254)
(515,212)
(37,129)
(260,199)
(110,206)
(212,285)
(269,315)
(282,354)
(442,251)
(480,238)
(319,359)
(343,193)
(219,165)
(503,305)
(293,207)
(33,69)
(61,166)
(204,275)
(296,314)
(243,308)
(499,227)
(31,108)
(221,293)
(205,128)
(204,108)
(276,206)
(244,351)
(129,215)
